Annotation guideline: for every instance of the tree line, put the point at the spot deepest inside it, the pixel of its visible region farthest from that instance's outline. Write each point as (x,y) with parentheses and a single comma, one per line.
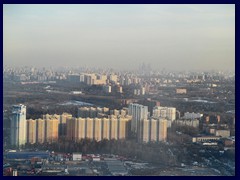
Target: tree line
(150,152)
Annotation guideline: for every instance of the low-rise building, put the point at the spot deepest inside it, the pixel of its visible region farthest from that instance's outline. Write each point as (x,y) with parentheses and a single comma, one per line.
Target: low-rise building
(77,156)
(222,133)
(205,139)
(181,91)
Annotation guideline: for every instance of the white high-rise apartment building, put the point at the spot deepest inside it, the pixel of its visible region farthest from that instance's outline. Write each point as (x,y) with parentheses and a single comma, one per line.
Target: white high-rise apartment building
(165,112)
(171,113)
(138,113)
(18,125)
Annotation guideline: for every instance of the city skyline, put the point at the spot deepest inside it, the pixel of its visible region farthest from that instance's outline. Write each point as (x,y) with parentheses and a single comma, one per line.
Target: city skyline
(190,37)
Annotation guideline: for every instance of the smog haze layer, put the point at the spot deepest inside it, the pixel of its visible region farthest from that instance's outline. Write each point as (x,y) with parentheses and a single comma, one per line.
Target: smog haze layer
(174,37)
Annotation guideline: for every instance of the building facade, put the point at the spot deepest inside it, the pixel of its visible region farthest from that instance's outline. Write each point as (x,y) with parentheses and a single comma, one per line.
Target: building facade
(168,113)
(51,130)
(18,125)
(113,127)
(31,131)
(63,124)
(188,122)
(138,113)
(40,133)
(153,130)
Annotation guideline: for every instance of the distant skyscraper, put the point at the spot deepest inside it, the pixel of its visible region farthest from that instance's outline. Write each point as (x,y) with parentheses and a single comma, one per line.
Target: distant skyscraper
(18,125)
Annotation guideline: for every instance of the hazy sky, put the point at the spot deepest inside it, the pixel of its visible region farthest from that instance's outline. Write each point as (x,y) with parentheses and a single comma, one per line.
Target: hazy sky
(174,37)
